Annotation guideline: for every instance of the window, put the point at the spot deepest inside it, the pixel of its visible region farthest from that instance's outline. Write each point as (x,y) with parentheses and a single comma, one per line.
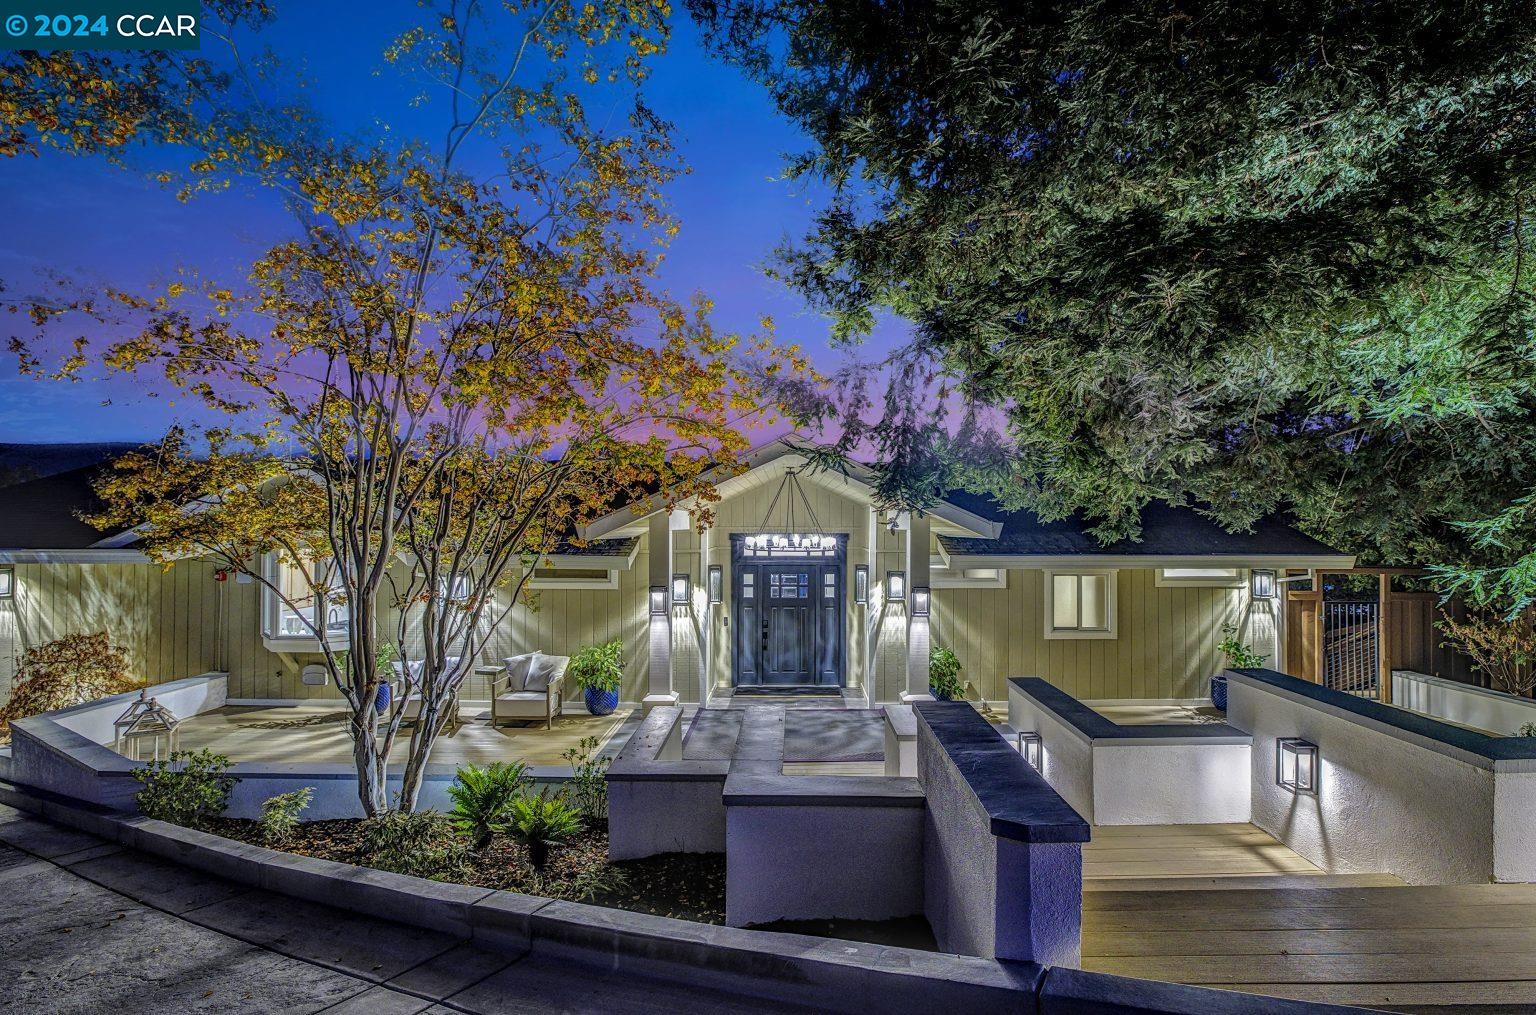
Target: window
(1080,604)
(460,591)
(299,611)
(1199,577)
(573,578)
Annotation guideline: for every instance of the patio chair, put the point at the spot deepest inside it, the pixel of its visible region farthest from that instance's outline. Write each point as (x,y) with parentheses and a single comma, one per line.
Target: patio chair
(531,687)
(413,700)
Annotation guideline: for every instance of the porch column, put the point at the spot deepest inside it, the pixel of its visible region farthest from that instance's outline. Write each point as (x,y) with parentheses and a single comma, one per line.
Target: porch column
(659,681)
(918,640)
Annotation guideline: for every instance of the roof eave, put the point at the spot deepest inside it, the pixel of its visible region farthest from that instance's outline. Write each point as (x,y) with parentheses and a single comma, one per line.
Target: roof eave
(1310,561)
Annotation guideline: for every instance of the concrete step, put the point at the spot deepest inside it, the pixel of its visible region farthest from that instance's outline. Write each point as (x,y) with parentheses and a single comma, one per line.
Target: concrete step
(1240,881)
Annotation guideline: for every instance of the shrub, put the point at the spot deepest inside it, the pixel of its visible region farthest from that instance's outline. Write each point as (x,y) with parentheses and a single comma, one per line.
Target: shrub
(1528,729)
(1239,655)
(588,788)
(280,814)
(944,673)
(482,799)
(599,667)
(421,844)
(69,671)
(1502,650)
(541,822)
(189,789)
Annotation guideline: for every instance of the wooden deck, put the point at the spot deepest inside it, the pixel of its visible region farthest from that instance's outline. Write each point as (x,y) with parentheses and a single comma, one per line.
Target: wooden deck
(1227,906)
(318,733)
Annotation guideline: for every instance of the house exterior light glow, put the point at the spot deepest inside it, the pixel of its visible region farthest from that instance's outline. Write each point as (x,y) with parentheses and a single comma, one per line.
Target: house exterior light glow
(1262,583)
(1029,746)
(682,588)
(716,584)
(895,586)
(7,582)
(861,584)
(658,600)
(1296,765)
(921,600)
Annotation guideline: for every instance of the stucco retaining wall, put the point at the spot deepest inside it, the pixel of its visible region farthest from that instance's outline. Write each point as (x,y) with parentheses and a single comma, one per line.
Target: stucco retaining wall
(1397,792)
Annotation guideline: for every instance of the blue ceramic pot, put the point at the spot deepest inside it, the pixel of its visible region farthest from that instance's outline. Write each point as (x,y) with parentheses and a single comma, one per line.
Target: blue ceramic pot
(939,695)
(600,702)
(1219,692)
(382,699)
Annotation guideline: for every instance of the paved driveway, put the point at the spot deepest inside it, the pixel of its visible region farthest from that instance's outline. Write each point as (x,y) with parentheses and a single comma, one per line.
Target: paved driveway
(90,927)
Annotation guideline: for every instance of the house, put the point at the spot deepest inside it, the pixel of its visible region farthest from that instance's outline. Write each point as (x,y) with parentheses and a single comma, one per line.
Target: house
(799,582)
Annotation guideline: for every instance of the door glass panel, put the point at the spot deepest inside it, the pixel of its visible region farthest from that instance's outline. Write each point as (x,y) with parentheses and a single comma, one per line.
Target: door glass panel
(1064,601)
(829,586)
(747,585)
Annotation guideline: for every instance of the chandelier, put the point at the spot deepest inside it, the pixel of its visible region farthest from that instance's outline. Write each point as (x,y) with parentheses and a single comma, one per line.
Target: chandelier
(800,531)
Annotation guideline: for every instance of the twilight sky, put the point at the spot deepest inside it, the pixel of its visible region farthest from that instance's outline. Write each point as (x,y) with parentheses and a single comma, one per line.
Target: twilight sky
(95,222)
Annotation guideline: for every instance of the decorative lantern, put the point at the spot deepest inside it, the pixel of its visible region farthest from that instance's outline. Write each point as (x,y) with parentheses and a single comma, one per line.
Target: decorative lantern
(896,586)
(682,587)
(1262,583)
(658,600)
(1296,766)
(716,584)
(146,731)
(921,599)
(1029,746)
(861,584)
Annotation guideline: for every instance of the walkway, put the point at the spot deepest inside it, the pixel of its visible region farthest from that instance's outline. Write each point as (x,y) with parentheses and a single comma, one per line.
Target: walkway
(90,927)
(1228,906)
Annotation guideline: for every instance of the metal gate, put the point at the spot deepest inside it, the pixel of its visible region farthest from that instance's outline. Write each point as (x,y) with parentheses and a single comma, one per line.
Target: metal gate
(1350,648)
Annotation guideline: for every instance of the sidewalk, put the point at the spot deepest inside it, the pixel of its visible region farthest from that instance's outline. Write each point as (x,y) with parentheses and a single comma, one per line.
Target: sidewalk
(90,927)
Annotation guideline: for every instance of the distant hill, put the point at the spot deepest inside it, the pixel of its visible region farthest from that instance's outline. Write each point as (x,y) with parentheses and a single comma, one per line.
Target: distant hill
(21,462)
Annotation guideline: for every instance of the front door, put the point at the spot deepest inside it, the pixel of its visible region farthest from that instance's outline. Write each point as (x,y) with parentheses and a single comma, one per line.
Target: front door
(788,614)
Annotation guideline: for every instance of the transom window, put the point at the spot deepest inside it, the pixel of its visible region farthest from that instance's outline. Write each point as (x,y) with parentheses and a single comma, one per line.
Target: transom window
(1199,577)
(1080,604)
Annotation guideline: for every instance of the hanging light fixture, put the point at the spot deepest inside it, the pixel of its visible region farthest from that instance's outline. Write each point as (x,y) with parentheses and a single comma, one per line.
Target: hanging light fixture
(798,533)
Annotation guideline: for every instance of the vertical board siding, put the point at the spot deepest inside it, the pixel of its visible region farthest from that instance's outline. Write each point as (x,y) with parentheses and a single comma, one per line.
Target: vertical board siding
(1165,645)
(163,620)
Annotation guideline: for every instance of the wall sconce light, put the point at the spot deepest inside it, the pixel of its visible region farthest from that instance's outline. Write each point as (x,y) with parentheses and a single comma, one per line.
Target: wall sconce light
(716,585)
(1296,765)
(658,600)
(682,586)
(921,599)
(861,584)
(1029,746)
(895,586)
(1262,583)
(7,582)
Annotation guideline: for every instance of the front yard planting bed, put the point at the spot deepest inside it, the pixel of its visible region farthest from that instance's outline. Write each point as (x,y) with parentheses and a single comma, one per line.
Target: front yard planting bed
(686,886)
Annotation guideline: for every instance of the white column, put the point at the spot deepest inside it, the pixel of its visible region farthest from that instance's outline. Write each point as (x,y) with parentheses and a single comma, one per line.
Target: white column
(659,682)
(918,640)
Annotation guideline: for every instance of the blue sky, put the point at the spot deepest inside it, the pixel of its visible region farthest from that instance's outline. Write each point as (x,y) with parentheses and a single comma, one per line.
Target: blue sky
(94,222)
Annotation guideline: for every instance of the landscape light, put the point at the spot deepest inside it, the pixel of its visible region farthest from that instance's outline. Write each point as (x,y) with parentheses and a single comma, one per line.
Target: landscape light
(1029,746)
(1296,765)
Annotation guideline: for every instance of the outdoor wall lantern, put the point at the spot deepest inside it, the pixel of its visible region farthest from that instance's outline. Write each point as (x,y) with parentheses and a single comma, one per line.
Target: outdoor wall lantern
(1296,765)
(861,584)
(716,585)
(7,582)
(682,586)
(1029,746)
(921,598)
(895,586)
(1262,583)
(658,600)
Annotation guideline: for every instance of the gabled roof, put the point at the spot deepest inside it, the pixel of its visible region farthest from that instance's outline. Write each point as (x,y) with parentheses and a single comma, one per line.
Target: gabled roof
(1169,535)
(44,514)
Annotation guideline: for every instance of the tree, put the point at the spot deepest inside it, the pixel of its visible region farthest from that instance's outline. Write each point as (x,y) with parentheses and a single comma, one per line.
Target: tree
(445,371)
(1250,256)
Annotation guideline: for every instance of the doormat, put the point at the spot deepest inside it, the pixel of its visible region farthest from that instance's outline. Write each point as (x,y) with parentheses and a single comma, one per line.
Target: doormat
(787,692)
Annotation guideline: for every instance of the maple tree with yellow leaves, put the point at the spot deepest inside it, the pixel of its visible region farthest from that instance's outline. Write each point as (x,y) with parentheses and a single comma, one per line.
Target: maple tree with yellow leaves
(443,373)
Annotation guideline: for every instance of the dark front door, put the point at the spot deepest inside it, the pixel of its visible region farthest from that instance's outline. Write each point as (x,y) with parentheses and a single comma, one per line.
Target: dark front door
(788,618)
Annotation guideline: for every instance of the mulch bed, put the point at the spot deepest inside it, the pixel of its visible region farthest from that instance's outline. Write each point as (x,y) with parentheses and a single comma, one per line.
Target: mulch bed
(687,886)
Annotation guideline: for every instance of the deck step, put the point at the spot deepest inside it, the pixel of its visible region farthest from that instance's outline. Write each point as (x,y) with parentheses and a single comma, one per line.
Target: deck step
(1238,881)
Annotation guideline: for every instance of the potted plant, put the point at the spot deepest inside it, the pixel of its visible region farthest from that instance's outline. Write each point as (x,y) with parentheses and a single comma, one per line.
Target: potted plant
(1239,657)
(599,670)
(944,681)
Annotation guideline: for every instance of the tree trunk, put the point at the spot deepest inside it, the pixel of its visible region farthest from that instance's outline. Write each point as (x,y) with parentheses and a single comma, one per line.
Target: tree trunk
(372,784)
(434,715)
